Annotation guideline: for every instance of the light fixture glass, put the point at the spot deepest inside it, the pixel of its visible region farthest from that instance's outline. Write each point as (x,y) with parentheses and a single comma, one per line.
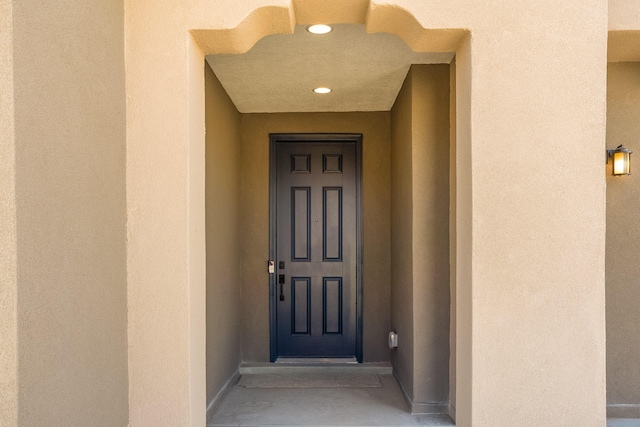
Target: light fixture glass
(322,90)
(621,160)
(319,29)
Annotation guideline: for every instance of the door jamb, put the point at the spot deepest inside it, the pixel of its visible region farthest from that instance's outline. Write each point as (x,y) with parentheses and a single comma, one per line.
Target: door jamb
(274,138)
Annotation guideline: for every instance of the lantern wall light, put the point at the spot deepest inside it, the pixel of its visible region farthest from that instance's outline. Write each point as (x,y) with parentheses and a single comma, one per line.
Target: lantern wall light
(620,157)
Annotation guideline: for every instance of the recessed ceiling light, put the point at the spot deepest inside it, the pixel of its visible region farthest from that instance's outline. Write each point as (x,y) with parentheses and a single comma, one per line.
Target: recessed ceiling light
(319,29)
(322,90)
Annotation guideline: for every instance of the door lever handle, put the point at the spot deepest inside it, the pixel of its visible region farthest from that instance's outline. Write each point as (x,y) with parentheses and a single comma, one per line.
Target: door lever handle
(281,283)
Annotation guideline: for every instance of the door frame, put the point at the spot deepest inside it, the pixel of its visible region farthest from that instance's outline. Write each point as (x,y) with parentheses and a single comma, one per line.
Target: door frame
(274,139)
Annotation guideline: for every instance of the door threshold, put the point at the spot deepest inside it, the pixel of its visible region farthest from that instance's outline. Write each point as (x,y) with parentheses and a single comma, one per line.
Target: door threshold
(315,360)
(377,368)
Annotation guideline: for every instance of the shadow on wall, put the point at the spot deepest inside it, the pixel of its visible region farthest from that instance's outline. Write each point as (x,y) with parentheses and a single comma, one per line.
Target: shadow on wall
(623,245)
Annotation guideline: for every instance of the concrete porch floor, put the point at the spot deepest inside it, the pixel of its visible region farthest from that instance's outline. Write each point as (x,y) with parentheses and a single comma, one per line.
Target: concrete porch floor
(348,406)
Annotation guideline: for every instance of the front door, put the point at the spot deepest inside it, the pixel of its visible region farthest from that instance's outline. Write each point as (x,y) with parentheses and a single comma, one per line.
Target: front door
(316,246)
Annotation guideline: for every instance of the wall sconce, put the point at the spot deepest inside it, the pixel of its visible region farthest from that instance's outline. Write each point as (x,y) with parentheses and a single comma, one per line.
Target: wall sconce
(621,159)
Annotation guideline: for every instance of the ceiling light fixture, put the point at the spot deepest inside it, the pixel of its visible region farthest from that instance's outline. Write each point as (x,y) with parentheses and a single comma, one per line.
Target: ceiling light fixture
(319,29)
(322,90)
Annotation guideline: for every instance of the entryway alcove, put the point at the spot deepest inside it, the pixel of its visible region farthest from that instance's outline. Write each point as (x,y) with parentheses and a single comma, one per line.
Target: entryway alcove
(405,114)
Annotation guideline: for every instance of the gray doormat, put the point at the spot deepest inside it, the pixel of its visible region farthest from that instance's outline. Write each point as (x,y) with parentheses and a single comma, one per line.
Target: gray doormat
(302,380)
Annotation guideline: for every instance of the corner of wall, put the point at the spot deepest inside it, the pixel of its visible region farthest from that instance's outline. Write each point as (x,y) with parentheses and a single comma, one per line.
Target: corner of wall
(420,237)
(452,237)
(8,227)
(402,358)
(223,257)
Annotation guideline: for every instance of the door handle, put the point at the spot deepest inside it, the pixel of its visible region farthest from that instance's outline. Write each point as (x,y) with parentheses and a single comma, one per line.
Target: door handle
(281,283)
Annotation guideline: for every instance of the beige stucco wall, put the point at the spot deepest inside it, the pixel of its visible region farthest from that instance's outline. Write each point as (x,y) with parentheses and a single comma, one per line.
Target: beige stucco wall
(452,238)
(623,245)
(430,240)
(69,123)
(530,240)
(224,309)
(521,270)
(420,236)
(166,262)
(537,230)
(8,247)
(463,243)
(624,31)
(401,232)
(255,221)
(624,15)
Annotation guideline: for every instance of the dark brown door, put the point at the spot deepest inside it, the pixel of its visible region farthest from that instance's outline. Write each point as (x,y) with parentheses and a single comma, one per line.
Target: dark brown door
(316,249)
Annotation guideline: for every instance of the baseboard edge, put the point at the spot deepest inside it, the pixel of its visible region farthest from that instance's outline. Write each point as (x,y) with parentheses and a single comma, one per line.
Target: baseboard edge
(452,412)
(623,411)
(217,400)
(421,408)
(405,395)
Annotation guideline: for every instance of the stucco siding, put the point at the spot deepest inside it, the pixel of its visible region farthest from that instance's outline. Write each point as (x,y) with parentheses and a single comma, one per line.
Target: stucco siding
(224,307)
(69,88)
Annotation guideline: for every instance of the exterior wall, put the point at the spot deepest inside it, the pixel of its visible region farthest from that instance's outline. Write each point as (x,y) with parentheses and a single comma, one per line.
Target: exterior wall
(224,309)
(623,245)
(530,242)
(530,239)
(8,232)
(452,239)
(624,15)
(537,230)
(464,400)
(401,231)
(69,118)
(624,31)
(166,261)
(255,221)
(420,237)
(430,240)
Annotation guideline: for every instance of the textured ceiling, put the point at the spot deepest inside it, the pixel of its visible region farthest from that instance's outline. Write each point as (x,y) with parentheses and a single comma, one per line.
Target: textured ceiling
(365,71)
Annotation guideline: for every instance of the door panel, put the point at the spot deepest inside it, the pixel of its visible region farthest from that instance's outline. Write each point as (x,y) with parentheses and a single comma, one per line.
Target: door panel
(301,223)
(332,230)
(316,243)
(301,305)
(332,304)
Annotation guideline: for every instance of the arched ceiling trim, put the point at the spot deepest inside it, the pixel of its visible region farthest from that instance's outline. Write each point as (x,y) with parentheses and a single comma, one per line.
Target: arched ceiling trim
(267,20)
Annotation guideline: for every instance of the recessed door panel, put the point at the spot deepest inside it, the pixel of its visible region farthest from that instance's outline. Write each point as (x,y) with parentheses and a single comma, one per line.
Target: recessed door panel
(332,230)
(301,223)
(301,305)
(332,305)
